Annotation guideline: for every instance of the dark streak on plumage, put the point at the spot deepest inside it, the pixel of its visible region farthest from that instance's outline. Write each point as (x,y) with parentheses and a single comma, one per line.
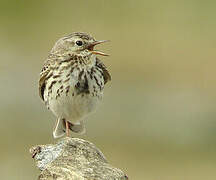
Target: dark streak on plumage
(68,75)
(66,80)
(96,80)
(51,85)
(80,75)
(72,69)
(49,76)
(56,76)
(86,86)
(82,85)
(67,90)
(42,91)
(58,93)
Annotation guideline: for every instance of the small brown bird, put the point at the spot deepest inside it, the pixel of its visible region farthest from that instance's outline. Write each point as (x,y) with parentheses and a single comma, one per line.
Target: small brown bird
(72,81)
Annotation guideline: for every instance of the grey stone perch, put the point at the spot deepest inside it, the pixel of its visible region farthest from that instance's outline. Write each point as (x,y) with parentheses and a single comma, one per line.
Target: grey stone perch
(73,159)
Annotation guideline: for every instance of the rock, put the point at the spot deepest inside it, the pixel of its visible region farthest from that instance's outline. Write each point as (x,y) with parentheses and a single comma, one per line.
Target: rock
(73,159)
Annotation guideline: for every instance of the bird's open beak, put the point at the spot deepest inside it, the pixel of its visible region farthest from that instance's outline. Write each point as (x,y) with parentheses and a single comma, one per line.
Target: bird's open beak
(91,47)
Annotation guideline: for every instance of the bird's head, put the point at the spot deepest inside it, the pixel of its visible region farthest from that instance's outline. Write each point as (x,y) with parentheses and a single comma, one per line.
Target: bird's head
(78,43)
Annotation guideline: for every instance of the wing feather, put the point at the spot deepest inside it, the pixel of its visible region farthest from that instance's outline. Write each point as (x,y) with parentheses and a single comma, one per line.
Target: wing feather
(106,74)
(43,76)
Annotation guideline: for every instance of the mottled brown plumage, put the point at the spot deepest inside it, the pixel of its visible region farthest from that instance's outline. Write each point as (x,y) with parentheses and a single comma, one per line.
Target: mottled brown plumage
(72,81)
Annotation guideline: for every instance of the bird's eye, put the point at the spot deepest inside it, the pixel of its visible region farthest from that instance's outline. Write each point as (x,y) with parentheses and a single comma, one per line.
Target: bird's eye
(79,43)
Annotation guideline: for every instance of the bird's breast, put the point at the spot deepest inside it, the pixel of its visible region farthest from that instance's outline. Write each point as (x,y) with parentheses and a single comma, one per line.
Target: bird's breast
(75,79)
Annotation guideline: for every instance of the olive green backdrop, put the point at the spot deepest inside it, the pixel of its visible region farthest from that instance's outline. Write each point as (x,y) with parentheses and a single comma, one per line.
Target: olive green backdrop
(158,117)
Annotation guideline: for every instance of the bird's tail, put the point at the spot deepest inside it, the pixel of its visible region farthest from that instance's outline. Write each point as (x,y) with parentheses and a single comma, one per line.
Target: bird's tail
(60,128)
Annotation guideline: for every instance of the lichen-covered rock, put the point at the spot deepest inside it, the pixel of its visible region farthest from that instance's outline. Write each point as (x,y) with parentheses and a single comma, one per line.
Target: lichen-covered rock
(73,159)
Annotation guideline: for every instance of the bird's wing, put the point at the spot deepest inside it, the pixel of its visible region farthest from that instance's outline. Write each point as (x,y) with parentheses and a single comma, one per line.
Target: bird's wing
(43,77)
(106,74)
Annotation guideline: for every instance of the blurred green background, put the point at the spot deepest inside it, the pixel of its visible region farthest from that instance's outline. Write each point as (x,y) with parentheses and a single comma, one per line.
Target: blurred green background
(158,117)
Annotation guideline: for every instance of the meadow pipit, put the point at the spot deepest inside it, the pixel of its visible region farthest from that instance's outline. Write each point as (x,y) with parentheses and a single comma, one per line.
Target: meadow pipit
(72,81)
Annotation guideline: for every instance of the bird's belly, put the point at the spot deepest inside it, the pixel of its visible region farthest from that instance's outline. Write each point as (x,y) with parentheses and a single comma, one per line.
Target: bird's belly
(74,108)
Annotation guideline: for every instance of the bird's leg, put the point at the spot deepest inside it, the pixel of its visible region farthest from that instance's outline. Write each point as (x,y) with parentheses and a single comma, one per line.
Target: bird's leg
(67,128)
